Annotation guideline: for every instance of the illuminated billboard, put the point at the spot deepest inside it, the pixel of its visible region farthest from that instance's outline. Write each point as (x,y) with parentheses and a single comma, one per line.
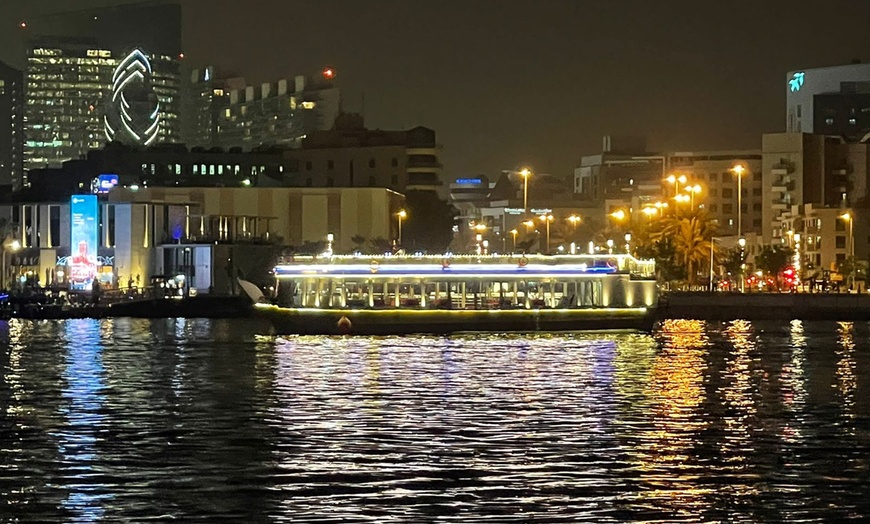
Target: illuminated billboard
(84,241)
(104,183)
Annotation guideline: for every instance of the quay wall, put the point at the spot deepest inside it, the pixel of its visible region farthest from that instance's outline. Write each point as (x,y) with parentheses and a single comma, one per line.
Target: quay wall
(765,306)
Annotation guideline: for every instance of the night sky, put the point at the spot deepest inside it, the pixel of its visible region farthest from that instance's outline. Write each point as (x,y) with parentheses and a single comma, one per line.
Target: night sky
(511,82)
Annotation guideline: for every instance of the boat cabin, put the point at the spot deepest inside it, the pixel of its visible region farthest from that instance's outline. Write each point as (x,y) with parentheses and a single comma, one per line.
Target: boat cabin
(466,282)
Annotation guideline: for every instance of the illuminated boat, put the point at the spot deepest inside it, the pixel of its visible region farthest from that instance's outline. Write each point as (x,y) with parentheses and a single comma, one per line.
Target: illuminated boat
(387,295)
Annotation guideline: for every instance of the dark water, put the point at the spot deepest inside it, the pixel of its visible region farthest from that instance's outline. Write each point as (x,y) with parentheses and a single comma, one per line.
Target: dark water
(135,421)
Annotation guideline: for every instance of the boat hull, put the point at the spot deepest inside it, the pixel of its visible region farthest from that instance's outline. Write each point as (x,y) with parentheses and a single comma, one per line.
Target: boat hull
(293,321)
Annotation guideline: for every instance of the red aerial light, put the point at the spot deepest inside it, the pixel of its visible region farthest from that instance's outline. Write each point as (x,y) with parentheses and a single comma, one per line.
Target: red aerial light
(329,73)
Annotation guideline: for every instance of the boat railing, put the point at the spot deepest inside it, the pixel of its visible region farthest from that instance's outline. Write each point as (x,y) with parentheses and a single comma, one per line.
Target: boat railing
(621,263)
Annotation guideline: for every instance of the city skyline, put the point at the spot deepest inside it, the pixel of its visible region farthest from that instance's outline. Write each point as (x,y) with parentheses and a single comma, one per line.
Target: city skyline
(505,85)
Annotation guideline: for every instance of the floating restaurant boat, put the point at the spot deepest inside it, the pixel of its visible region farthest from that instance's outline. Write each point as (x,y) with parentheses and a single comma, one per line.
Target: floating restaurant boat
(389,295)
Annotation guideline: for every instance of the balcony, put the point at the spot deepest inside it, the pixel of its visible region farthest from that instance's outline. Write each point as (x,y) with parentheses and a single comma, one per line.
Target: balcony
(779,188)
(780,169)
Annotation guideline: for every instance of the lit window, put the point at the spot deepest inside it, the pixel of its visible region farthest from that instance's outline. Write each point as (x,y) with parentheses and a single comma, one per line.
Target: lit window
(308,105)
(211,169)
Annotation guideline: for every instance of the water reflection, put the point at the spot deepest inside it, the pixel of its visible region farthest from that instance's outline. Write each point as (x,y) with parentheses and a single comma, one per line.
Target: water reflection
(135,421)
(82,409)
(846,380)
(675,394)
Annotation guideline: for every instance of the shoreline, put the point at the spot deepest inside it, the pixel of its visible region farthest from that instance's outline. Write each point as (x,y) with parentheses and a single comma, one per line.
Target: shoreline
(676,305)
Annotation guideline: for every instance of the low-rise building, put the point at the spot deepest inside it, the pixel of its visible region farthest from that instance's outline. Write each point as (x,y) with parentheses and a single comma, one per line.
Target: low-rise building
(349,155)
(208,235)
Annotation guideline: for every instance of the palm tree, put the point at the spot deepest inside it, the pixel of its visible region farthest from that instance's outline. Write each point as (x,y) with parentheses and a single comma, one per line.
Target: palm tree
(692,236)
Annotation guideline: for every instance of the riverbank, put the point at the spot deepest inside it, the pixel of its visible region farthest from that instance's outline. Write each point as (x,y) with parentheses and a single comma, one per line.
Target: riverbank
(700,306)
(765,306)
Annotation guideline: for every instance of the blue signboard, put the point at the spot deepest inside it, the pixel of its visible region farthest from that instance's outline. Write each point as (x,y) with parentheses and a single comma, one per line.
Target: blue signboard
(84,241)
(104,183)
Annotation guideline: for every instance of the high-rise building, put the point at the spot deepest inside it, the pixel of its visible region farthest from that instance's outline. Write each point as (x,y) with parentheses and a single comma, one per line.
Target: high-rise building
(829,100)
(67,93)
(11,125)
(280,114)
(100,75)
(204,98)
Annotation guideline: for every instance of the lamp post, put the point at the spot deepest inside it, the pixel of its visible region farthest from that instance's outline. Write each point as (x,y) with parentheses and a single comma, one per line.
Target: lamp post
(525,173)
(547,219)
(12,246)
(514,233)
(851,251)
(692,190)
(574,220)
(739,170)
(402,215)
(712,242)
(676,181)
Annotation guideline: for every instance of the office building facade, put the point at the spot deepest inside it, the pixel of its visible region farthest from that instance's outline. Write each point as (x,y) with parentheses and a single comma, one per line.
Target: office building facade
(11,126)
(713,172)
(101,75)
(829,100)
(281,114)
(162,165)
(349,155)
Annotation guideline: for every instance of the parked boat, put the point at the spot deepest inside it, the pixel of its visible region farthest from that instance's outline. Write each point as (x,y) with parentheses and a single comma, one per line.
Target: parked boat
(388,295)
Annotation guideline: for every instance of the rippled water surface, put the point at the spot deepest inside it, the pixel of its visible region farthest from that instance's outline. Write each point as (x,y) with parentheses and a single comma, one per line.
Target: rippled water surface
(129,420)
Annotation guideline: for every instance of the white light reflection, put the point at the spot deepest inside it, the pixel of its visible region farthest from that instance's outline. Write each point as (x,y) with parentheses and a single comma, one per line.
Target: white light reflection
(84,378)
(846,380)
(794,386)
(740,398)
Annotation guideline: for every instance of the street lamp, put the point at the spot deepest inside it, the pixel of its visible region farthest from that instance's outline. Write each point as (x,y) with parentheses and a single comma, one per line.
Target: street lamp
(692,190)
(742,243)
(849,218)
(574,220)
(514,233)
(402,215)
(619,215)
(676,181)
(739,170)
(547,219)
(12,246)
(525,173)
